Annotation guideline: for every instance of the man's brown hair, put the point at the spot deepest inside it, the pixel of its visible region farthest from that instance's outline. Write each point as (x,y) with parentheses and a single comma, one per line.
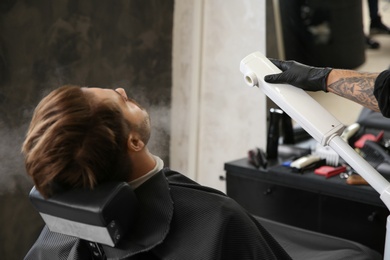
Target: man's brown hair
(75,142)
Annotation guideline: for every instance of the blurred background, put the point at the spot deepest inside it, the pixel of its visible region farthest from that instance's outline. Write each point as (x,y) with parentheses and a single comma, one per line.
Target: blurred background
(179,59)
(329,33)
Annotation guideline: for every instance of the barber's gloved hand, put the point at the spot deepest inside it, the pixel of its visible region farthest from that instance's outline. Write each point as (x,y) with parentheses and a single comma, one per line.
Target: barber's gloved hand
(299,75)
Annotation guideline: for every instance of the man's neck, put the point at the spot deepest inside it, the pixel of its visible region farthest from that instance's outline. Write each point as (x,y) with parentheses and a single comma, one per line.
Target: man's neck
(142,163)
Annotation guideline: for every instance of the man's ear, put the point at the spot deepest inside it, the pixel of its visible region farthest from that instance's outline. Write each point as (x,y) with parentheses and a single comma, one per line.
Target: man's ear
(134,143)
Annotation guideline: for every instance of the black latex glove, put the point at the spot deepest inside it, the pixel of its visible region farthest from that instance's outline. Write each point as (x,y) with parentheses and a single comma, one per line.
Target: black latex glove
(299,75)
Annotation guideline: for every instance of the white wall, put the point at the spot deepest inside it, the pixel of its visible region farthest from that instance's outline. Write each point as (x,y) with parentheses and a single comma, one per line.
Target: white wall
(216,118)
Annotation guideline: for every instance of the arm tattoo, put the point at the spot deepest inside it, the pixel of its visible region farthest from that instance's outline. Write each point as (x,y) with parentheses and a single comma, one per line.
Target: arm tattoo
(358,88)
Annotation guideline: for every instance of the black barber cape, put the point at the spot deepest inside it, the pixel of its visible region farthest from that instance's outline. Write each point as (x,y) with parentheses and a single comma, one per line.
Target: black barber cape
(177,219)
(382,92)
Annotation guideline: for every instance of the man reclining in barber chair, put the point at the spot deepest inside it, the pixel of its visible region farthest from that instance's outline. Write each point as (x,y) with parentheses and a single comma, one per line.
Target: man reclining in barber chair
(85,137)
(103,195)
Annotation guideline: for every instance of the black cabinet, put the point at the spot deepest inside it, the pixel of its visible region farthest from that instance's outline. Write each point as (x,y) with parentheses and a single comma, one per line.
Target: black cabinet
(309,201)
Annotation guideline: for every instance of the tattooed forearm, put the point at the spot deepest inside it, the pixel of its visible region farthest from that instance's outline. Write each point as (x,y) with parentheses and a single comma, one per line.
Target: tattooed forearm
(357,87)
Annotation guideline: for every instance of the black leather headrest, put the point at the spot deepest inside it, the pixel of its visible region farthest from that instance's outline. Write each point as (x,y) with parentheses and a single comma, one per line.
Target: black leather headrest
(102,215)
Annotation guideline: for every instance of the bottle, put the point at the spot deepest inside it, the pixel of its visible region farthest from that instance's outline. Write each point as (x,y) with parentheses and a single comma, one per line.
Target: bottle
(275,116)
(288,132)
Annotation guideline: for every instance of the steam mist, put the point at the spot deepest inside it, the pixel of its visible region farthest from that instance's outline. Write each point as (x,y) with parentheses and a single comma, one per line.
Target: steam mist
(13,177)
(127,44)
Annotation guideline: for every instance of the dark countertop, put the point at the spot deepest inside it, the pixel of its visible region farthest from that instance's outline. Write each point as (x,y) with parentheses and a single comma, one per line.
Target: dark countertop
(309,181)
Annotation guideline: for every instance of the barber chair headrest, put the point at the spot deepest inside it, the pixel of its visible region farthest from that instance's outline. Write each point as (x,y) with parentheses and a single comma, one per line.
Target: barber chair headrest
(102,215)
